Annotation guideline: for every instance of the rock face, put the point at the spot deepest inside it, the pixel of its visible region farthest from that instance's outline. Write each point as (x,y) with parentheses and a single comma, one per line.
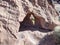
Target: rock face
(17,13)
(9,25)
(35,38)
(43,11)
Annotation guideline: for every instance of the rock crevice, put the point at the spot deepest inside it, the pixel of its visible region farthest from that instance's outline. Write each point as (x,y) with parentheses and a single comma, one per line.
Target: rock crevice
(17,14)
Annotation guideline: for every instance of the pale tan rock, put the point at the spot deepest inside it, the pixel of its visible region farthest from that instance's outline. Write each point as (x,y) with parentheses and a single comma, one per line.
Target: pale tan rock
(9,24)
(43,11)
(14,12)
(33,38)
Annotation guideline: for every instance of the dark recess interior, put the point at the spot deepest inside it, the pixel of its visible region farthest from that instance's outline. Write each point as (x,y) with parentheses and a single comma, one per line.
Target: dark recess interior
(28,25)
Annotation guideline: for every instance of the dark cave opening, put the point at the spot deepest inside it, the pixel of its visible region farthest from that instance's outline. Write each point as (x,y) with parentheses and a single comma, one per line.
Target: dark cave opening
(31,24)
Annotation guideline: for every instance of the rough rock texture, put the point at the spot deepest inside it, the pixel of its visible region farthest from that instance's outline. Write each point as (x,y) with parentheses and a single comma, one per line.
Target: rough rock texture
(35,38)
(43,11)
(9,25)
(15,14)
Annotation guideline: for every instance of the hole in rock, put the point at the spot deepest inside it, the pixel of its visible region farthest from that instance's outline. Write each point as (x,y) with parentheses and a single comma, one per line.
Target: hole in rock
(32,23)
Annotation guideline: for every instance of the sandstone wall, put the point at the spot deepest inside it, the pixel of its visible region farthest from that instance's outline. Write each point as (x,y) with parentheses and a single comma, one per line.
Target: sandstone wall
(13,12)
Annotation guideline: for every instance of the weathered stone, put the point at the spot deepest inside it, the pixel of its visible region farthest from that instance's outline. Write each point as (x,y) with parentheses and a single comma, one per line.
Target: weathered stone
(9,24)
(16,13)
(43,11)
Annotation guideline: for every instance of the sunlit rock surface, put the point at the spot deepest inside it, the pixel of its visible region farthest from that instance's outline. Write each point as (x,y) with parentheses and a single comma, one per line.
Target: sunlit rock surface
(15,16)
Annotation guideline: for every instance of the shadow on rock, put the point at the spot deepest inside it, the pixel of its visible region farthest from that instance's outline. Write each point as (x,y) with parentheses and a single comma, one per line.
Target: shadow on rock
(33,28)
(47,40)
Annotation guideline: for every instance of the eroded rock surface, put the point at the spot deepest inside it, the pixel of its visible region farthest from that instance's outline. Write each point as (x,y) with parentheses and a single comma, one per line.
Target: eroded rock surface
(36,38)
(9,24)
(43,10)
(16,13)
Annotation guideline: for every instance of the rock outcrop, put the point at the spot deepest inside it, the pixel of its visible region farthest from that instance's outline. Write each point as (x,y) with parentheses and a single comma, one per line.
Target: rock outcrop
(17,13)
(9,25)
(43,11)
